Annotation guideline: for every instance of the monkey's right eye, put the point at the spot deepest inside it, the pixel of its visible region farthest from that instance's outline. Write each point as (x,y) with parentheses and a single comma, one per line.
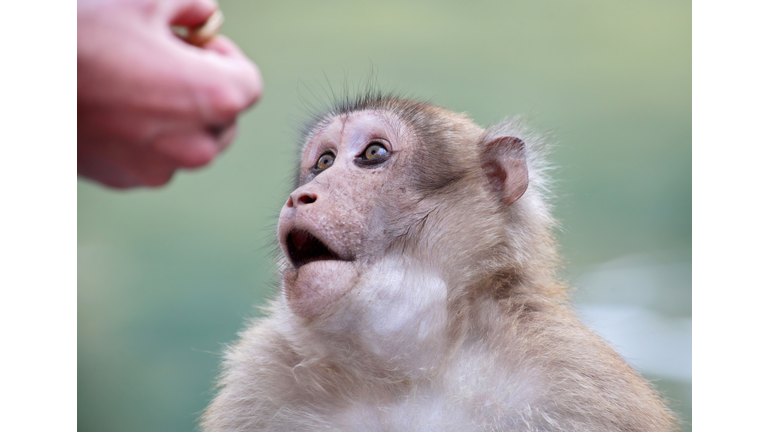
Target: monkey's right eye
(325,161)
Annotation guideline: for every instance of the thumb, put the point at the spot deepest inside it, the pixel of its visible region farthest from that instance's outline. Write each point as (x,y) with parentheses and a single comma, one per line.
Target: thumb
(190,13)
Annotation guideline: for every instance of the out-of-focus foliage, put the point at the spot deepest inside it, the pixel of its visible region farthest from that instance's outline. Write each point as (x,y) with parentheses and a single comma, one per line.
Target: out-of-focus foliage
(166,277)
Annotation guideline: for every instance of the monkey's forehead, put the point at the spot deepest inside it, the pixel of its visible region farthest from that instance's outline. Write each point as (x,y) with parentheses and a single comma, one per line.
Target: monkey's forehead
(350,126)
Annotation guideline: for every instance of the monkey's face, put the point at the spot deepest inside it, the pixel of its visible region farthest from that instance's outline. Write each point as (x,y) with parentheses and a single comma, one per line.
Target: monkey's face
(352,197)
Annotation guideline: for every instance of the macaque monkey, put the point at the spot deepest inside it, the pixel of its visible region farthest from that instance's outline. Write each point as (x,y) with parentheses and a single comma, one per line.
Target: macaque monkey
(419,292)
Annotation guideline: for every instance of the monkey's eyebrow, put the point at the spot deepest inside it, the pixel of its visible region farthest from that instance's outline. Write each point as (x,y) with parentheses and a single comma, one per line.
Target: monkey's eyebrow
(361,139)
(360,135)
(315,149)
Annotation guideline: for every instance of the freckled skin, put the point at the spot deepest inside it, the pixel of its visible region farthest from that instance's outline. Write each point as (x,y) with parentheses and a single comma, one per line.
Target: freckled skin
(344,198)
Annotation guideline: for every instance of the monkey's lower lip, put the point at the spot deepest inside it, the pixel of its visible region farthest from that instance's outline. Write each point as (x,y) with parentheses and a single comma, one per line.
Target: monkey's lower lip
(304,248)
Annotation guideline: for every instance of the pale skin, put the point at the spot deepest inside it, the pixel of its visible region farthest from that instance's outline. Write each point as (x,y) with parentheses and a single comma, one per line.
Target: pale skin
(311,208)
(148,102)
(419,293)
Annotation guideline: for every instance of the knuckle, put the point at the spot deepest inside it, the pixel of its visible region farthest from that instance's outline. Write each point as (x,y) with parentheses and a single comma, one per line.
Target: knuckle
(198,156)
(158,178)
(225,102)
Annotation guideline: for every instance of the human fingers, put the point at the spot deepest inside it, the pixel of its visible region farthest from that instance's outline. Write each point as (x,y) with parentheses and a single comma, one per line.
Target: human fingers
(191,150)
(195,149)
(119,166)
(196,32)
(227,81)
(224,46)
(153,175)
(224,135)
(189,13)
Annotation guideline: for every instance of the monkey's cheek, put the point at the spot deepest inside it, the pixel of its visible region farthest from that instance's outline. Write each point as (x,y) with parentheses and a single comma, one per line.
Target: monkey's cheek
(315,289)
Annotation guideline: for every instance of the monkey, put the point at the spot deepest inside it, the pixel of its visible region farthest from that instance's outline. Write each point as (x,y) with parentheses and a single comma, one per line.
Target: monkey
(420,291)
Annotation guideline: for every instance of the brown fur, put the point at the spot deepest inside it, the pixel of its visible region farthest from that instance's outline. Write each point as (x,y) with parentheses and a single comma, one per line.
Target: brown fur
(444,311)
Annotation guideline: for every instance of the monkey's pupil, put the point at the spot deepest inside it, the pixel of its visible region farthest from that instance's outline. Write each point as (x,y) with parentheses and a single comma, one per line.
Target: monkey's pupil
(325,161)
(374,151)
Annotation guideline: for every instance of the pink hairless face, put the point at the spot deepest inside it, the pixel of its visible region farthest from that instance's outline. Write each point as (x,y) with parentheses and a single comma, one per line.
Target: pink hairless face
(327,225)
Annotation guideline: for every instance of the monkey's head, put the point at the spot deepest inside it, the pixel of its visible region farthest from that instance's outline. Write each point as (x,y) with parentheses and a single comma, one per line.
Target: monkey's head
(391,182)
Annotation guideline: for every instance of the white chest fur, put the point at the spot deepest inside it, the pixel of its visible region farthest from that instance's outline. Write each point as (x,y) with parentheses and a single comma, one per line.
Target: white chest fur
(477,396)
(399,315)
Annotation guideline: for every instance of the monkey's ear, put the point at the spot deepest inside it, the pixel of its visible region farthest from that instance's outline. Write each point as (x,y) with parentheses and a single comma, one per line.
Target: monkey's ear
(505,167)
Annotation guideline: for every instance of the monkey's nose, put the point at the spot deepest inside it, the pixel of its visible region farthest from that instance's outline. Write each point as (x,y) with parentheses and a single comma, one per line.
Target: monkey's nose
(301,198)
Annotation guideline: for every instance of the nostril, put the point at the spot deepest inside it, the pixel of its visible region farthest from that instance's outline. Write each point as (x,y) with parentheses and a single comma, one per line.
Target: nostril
(300,198)
(307,198)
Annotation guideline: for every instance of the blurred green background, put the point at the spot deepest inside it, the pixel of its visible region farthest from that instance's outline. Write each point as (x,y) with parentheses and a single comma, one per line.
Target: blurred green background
(167,277)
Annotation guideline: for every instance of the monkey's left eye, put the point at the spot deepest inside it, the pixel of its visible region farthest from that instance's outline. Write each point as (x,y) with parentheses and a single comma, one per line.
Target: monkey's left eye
(375,153)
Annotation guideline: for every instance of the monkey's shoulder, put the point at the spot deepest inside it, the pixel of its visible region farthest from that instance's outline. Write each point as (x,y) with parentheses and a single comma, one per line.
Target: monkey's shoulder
(576,380)
(521,385)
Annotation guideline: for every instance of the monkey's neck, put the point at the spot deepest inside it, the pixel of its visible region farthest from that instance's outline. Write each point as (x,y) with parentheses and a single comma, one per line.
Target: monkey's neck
(401,325)
(392,324)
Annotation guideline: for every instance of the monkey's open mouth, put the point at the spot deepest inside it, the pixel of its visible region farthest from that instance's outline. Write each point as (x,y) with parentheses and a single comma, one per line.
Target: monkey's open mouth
(304,248)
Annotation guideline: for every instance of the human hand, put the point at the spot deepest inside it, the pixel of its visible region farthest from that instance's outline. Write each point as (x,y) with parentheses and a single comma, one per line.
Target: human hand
(148,103)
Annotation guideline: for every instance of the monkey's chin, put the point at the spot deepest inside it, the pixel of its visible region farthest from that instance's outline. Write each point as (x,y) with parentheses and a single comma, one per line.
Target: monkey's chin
(315,288)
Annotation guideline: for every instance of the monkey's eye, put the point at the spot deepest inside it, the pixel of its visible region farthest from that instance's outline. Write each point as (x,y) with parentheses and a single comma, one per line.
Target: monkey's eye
(325,161)
(374,151)
(374,154)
